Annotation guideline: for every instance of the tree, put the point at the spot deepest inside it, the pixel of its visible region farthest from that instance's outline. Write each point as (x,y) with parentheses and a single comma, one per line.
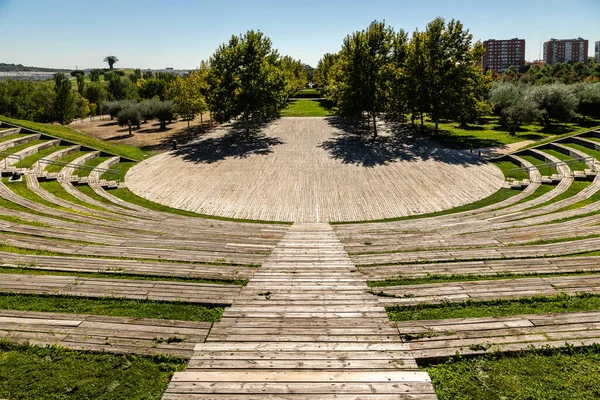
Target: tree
(163,111)
(64,99)
(416,85)
(80,78)
(556,101)
(245,80)
(187,97)
(151,88)
(322,76)
(96,93)
(129,116)
(588,96)
(295,75)
(111,60)
(95,75)
(365,61)
(121,88)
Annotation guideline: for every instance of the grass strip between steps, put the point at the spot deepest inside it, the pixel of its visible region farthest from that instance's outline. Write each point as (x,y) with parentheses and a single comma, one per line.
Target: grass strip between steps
(21,250)
(462,260)
(111,306)
(560,303)
(499,196)
(536,374)
(32,269)
(438,278)
(54,372)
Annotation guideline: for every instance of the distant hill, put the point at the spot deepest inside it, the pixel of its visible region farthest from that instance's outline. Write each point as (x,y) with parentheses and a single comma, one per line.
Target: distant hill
(20,67)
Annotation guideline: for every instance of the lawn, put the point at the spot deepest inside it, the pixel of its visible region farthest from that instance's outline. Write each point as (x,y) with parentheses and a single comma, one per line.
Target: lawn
(110,306)
(489,133)
(32,372)
(71,135)
(308,108)
(565,373)
(496,308)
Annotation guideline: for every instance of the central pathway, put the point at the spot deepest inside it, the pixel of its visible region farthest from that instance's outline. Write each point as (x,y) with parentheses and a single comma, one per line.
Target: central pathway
(304,328)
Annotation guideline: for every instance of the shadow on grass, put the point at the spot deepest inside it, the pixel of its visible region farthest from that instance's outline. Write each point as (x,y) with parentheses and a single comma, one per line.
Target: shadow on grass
(355,145)
(233,144)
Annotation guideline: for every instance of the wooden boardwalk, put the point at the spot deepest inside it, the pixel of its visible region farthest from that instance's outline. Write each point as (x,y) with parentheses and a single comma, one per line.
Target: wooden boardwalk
(307,170)
(303,328)
(473,336)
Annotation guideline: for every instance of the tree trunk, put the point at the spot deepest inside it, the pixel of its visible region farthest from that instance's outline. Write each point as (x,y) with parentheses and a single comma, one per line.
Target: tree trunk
(129,126)
(201,122)
(246,125)
(210,116)
(374,125)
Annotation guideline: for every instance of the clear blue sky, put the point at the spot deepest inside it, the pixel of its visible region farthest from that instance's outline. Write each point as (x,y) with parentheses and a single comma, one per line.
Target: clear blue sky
(181,33)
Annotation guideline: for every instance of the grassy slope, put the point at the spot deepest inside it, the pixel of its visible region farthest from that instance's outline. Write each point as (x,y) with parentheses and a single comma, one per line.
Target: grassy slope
(56,373)
(538,375)
(72,135)
(491,133)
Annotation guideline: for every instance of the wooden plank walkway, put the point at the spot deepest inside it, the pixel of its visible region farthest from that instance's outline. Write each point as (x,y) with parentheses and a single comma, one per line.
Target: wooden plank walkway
(436,339)
(309,170)
(304,328)
(101,333)
(123,288)
(488,290)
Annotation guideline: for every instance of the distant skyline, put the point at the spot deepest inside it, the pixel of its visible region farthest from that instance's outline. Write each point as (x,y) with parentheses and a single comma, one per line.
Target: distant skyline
(181,33)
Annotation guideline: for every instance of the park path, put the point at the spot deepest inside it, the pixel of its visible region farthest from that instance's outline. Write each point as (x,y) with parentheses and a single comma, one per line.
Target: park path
(305,327)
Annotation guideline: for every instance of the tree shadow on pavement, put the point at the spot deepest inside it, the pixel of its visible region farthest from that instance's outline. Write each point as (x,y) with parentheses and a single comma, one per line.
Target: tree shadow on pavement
(235,143)
(354,144)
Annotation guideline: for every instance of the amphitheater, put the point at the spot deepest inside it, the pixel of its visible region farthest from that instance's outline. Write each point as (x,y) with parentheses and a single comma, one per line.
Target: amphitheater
(306,298)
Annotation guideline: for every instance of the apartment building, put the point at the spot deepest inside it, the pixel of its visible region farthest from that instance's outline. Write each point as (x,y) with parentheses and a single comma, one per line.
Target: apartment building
(597,52)
(501,54)
(566,50)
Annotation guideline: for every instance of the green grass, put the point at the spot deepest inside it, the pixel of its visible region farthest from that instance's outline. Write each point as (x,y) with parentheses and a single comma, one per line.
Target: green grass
(23,146)
(72,135)
(573,163)
(308,108)
(56,373)
(21,189)
(436,278)
(512,170)
(55,188)
(590,200)
(65,159)
(489,133)
(94,162)
(13,136)
(111,306)
(548,374)
(543,166)
(499,196)
(576,187)
(130,197)
(591,152)
(32,269)
(496,308)
(122,168)
(88,191)
(27,162)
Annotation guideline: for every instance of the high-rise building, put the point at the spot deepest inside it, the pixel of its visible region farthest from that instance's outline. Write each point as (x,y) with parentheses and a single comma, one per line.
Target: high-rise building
(501,54)
(569,50)
(597,52)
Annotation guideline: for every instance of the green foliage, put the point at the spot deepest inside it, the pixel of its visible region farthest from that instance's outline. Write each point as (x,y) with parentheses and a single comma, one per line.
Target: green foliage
(27,100)
(151,88)
(545,374)
(246,81)
(588,96)
(129,116)
(80,77)
(121,88)
(187,94)
(95,75)
(96,93)
(54,372)
(64,100)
